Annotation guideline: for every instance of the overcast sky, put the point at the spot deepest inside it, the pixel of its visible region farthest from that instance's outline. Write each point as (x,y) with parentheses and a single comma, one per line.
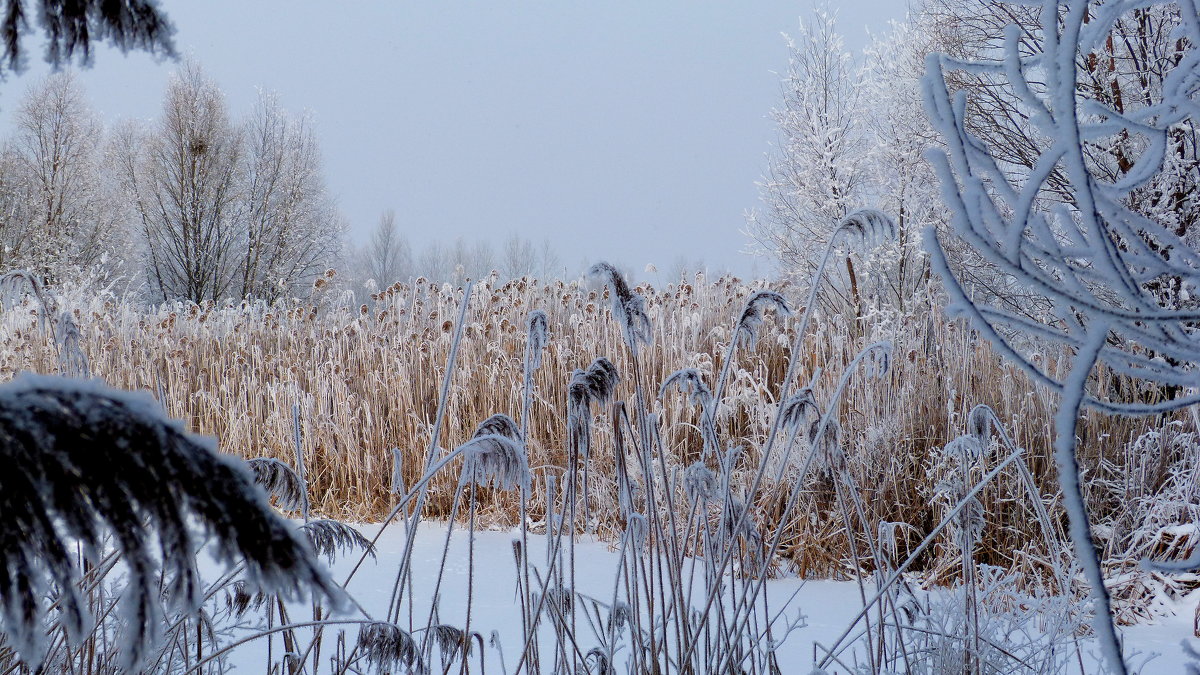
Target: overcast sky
(629,130)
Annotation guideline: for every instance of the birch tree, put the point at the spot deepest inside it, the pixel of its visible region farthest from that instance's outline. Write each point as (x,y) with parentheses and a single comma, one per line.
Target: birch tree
(291,229)
(182,177)
(816,173)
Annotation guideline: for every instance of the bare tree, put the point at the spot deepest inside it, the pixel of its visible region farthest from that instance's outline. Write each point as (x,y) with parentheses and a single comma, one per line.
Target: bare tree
(228,210)
(183,181)
(520,257)
(17,239)
(549,263)
(388,255)
(435,262)
(683,269)
(56,148)
(475,258)
(291,228)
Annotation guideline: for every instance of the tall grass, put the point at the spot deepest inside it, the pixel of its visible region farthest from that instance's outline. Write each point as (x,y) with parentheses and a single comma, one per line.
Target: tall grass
(870,451)
(365,379)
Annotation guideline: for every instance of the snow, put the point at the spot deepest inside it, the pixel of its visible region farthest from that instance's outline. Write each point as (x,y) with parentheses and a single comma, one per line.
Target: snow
(827,606)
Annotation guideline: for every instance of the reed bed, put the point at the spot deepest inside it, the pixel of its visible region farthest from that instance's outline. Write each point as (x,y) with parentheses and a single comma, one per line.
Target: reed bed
(889,449)
(358,380)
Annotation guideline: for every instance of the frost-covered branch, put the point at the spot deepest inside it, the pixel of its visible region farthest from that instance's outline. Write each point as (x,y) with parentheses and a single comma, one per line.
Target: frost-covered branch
(1115,273)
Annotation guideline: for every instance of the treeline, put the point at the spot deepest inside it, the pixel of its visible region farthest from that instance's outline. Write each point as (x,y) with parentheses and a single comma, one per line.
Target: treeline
(389,256)
(195,204)
(199,204)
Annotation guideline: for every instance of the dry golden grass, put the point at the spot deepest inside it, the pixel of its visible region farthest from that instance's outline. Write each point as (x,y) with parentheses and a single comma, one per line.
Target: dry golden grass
(365,379)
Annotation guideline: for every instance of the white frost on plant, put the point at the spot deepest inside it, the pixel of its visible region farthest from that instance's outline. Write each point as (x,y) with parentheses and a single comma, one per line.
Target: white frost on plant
(1099,261)
(83,462)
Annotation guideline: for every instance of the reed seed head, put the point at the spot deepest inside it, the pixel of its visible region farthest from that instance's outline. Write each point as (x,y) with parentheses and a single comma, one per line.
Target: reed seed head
(538,329)
(752,315)
(798,408)
(83,461)
(872,226)
(596,384)
(330,537)
(279,481)
(386,646)
(451,641)
(495,460)
(499,425)
(699,483)
(629,308)
(979,422)
(690,382)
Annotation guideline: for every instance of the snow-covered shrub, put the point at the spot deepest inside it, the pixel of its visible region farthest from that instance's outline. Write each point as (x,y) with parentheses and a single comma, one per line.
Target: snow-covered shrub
(1095,257)
(1007,629)
(1156,482)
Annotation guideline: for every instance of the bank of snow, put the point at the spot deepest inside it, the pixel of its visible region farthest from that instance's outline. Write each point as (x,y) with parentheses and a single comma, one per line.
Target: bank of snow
(827,606)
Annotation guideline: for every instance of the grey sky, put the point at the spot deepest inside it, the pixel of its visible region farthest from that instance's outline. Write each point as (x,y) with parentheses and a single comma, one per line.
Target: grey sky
(626,130)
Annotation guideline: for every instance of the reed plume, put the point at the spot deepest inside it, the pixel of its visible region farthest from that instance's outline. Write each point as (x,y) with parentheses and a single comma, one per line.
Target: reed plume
(796,410)
(492,459)
(279,481)
(83,461)
(597,384)
(451,641)
(499,425)
(700,484)
(628,307)
(538,331)
(387,646)
(752,315)
(239,598)
(871,225)
(689,381)
(72,361)
(747,330)
(330,537)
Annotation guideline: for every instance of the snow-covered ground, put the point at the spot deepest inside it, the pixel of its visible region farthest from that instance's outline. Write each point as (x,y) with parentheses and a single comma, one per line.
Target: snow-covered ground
(828,606)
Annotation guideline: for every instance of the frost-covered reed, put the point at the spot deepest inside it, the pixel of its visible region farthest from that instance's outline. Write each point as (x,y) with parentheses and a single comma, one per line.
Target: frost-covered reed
(365,380)
(701,514)
(95,476)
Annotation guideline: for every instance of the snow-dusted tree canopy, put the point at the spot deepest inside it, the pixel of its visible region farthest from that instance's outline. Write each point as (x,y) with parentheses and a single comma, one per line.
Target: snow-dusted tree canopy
(1101,260)
(818,171)
(851,133)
